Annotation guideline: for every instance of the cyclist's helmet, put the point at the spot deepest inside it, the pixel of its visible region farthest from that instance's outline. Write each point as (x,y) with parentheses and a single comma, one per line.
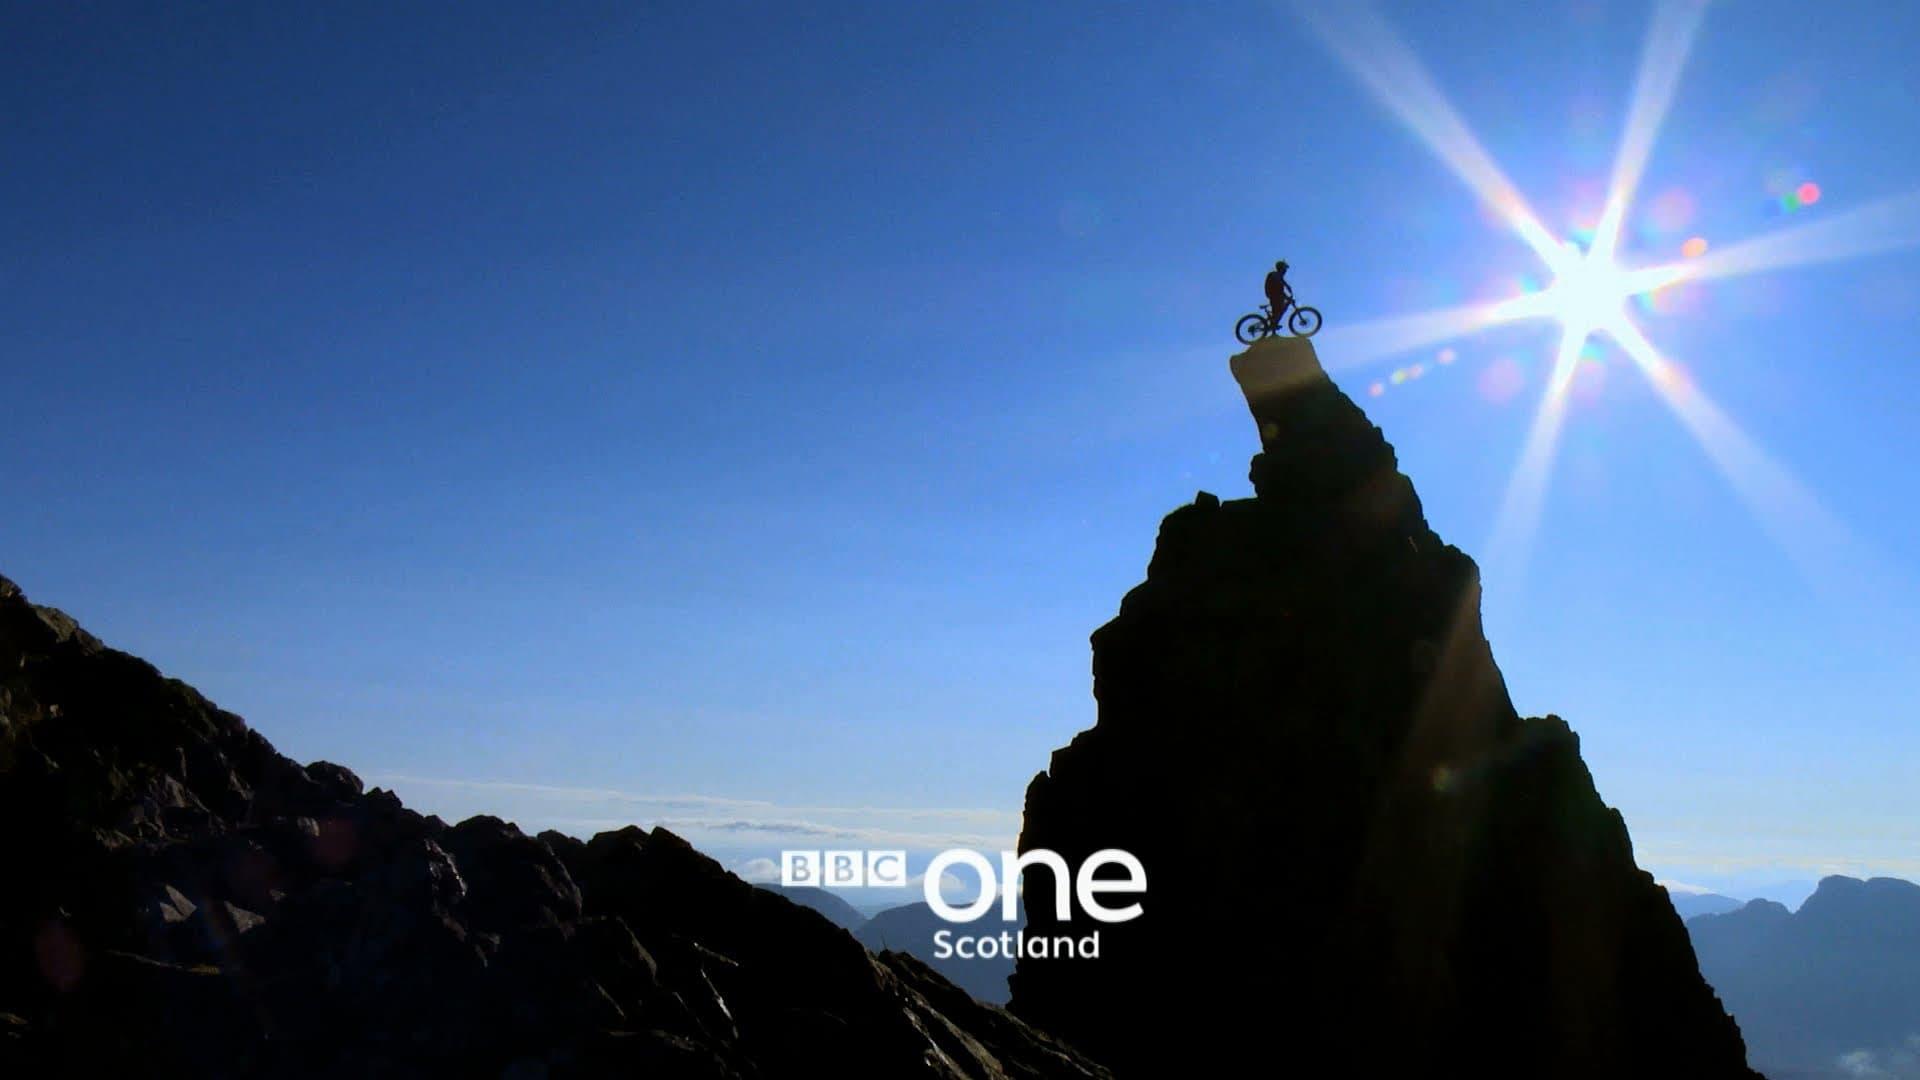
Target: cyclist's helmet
(1281,266)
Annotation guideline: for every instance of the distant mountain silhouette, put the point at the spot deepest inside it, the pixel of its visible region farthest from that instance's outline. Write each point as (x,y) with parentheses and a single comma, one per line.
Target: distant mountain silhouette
(1690,905)
(838,911)
(181,900)
(910,928)
(1360,860)
(1830,990)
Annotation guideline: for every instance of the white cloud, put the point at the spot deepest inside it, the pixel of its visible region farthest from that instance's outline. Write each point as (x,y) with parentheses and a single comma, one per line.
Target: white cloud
(951,887)
(583,811)
(758,871)
(1893,1063)
(981,815)
(871,836)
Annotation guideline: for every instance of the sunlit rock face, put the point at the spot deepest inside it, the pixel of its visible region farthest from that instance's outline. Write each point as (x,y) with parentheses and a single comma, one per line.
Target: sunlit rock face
(1360,861)
(181,900)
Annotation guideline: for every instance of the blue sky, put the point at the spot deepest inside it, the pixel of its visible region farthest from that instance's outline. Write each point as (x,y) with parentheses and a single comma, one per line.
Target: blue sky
(739,417)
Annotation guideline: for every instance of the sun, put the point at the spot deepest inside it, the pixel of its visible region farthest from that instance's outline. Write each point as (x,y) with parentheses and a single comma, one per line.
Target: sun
(1587,293)
(1589,289)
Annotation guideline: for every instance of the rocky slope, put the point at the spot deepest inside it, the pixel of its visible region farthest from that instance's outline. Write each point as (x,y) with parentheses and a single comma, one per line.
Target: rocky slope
(1360,860)
(180,899)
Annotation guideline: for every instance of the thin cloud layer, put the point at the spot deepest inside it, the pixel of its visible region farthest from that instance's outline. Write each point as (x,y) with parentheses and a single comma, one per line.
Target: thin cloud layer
(722,819)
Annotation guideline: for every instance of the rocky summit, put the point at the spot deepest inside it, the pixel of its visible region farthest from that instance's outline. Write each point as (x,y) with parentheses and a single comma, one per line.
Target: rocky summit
(181,900)
(1360,860)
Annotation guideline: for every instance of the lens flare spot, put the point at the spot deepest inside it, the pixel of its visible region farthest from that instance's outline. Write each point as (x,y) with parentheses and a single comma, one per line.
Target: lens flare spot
(1501,380)
(1782,180)
(1671,211)
(1789,190)
(1377,388)
(1447,355)
(1694,247)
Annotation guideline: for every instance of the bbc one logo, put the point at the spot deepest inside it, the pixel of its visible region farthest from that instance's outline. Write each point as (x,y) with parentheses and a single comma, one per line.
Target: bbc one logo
(1089,886)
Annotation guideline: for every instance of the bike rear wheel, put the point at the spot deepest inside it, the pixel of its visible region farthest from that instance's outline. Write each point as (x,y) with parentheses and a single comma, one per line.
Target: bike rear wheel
(1250,328)
(1304,321)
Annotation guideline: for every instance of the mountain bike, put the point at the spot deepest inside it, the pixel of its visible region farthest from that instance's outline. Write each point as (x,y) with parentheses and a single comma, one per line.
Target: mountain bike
(1300,321)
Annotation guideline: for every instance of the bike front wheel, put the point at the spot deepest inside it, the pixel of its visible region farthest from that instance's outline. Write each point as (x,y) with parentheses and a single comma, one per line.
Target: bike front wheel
(1250,328)
(1304,321)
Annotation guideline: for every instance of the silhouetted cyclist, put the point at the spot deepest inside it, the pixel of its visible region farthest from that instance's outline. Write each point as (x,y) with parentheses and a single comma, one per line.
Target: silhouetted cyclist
(1280,315)
(1279,293)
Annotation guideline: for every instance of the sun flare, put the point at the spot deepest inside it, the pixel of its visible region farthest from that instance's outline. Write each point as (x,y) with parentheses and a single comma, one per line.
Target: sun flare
(1589,289)
(1587,293)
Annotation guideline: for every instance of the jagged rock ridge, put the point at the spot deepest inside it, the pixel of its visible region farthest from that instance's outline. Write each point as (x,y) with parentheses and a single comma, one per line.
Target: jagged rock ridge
(181,900)
(1360,860)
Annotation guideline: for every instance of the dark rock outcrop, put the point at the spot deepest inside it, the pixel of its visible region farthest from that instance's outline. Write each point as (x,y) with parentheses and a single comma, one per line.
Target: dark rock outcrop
(182,900)
(1360,860)
(1830,990)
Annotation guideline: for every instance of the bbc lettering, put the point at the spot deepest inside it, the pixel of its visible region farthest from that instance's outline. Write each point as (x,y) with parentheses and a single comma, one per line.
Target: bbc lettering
(844,869)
